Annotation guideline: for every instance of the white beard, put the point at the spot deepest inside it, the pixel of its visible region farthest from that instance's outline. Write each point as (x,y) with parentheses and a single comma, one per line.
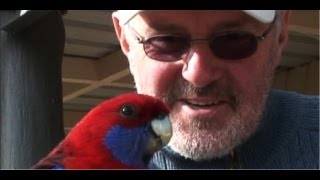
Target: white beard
(201,139)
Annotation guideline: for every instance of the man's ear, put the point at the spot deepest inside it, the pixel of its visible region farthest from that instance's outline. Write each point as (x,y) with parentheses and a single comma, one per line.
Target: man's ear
(283,36)
(120,34)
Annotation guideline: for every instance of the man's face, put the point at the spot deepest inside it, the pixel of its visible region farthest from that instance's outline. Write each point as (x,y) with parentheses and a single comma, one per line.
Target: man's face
(215,103)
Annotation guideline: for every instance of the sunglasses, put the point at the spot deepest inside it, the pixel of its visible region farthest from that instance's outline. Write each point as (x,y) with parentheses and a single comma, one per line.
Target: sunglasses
(233,45)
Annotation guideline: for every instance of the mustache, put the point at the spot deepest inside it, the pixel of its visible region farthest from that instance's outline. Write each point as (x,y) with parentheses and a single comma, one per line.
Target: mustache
(218,90)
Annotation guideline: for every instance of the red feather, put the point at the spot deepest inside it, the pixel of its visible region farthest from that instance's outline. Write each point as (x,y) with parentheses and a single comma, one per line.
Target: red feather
(83,148)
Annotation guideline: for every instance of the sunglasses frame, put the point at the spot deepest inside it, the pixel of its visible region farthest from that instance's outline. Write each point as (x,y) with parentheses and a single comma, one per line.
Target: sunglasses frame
(142,40)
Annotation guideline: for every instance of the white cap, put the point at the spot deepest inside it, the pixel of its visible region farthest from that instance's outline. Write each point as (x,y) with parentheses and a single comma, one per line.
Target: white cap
(264,16)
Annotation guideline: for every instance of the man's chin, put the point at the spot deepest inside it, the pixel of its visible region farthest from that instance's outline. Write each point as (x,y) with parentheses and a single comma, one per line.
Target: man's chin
(205,139)
(199,154)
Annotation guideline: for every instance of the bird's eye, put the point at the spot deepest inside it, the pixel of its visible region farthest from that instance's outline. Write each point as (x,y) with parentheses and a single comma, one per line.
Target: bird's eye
(127,110)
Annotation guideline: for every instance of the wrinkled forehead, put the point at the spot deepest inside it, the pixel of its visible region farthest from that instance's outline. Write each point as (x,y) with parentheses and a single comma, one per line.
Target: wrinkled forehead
(263,16)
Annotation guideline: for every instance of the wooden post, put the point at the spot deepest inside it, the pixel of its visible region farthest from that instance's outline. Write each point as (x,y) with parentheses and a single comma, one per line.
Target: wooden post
(31,86)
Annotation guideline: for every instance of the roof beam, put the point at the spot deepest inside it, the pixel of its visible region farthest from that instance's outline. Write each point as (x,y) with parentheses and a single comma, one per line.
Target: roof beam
(98,84)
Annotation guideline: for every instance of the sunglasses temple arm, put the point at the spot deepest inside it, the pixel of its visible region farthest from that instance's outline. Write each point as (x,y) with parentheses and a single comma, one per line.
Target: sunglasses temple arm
(264,35)
(139,38)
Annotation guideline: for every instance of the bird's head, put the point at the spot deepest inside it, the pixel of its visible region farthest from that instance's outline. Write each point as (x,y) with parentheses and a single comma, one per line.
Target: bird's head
(132,126)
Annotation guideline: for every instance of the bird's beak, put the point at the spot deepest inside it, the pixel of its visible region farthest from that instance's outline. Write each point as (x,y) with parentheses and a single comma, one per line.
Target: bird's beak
(160,134)
(162,127)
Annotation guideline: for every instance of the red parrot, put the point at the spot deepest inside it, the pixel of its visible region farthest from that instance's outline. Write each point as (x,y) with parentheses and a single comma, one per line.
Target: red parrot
(120,133)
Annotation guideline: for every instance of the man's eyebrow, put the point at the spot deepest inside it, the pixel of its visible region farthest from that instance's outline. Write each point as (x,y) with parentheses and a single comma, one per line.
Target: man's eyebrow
(165,27)
(229,24)
(239,21)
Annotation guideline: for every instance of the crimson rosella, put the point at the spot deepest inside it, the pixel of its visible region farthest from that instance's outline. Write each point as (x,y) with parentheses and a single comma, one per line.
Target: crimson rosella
(120,133)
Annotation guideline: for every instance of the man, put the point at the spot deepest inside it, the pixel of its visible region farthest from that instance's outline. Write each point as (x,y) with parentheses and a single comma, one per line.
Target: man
(215,70)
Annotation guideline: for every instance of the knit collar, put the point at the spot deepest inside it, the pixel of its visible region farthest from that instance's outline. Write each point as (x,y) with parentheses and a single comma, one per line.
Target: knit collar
(276,130)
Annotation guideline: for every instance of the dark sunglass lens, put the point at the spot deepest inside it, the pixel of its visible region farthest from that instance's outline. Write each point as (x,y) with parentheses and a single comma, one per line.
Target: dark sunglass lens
(166,48)
(234,46)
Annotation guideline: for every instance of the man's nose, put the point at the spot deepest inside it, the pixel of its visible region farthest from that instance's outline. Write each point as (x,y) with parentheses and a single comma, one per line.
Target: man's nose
(201,67)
